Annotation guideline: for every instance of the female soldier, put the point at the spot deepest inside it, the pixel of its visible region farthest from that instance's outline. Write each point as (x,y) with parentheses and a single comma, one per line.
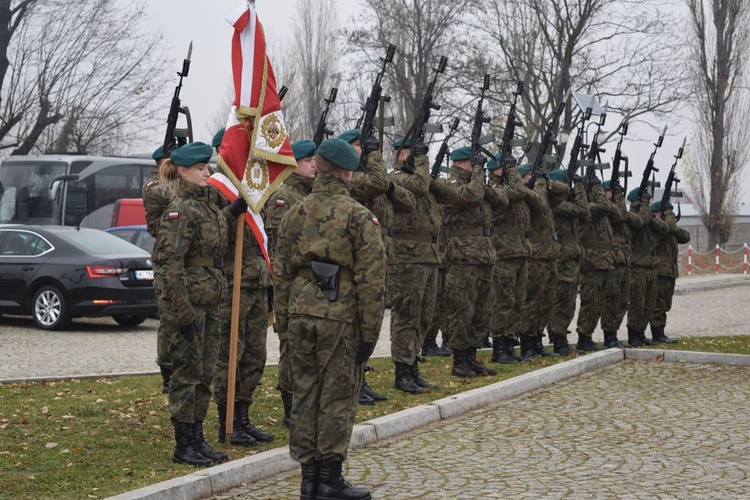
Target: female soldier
(193,241)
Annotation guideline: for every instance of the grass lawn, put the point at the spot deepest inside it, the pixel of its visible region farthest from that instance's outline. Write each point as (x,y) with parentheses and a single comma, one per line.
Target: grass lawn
(94,438)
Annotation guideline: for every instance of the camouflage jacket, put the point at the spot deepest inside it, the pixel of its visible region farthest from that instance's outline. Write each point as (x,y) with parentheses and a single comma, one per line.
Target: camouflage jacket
(156,198)
(255,272)
(567,214)
(622,223)
(667,247)
(415,234)
(645,237)
(596,236)
(329,225)
(193,240)
(292,191)
(467,217)
(543,238)
(511,227)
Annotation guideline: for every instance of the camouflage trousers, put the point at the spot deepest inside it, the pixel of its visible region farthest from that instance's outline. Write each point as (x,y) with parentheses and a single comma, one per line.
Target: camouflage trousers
(325,383)
(642,297)
(540,293)
(663,302)
(566,289)
(468,308)
(413,297)
(193,364)
(593,295)
(162,333)
(618,297)
(438,316)
(251,346)
(509,281)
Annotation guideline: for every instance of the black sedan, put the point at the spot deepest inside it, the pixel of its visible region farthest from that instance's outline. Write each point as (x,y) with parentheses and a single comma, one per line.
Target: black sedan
(56,273)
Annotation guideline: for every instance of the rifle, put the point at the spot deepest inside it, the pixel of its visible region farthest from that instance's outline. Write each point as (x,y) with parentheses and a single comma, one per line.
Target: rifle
(322,130)
(443,151)
(575,150)
(365,122)
(175,109)
(614,181)
(547,139)
(506,146)
(416,131)
(650,166)
(282,92)
(672,178)
(594,148)
(479,119)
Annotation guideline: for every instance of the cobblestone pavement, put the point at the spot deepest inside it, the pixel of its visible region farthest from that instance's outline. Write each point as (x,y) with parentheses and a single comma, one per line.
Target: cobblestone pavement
(101,347)
(634,430)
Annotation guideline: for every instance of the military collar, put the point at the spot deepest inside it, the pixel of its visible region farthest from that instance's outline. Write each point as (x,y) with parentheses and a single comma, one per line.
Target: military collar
(330,184)
(193,190)
(459,173)
(300,183)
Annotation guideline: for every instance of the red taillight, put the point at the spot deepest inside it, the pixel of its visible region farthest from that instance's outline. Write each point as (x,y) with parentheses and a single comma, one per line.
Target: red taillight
(105,271)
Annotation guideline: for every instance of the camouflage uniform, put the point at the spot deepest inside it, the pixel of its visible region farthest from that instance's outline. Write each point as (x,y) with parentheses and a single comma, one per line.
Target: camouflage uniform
(292,191)
(437,322)
(598,260)
(324,335)
(567,216)
(193,239)
(156,198)
(667,251)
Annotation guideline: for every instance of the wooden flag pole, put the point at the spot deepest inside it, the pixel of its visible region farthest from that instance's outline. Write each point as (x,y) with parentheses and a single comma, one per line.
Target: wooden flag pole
(234,327)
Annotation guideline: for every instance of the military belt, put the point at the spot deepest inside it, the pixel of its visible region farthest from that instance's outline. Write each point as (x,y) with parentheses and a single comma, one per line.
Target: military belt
(542,238)
(386,231)
(425,237)
(516,232)
(593,245)
(619,239)
(204,262)
(346,274)
(472,231)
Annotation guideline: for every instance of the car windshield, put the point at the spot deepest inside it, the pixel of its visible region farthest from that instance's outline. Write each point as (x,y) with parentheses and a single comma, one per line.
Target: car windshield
(24,191)
(101,243)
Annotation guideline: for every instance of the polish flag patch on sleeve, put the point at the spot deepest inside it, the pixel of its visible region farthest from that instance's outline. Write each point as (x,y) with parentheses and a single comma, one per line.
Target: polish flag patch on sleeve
(173,215)
(375,221)
(280,202)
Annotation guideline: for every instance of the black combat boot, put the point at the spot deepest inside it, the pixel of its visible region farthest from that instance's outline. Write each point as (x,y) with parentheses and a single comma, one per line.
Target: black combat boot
(634,339)
(366,389)
(286,400)
(333,486)
(430,348)
(659,337)
(560,345)
(203,447)
(460,366)
(644,339)
(487,344)
(243,408)
(445,349)
(363,398)
(239,437)
(479,369)
(309,488)
(185,451)
(510,349)
(527,347)
(499,354)
(419,379)
(539,346)
(586,344)
(404,381)
(166,374)
(610,340)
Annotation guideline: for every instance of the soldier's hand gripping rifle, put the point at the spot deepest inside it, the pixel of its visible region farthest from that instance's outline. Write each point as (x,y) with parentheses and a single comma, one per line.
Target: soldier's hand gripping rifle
(479,120)
(322,129)
(614,181)
(548,139)
(671,179)
(575,150)
(506,146)
(443,151)
(365,122)
(175,109)
(650,169)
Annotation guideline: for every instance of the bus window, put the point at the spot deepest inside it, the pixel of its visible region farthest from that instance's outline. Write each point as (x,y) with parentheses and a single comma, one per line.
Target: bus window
(114,183)
(24,193)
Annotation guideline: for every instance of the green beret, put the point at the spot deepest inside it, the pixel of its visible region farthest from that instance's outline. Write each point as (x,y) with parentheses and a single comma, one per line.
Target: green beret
(459,154)
(190,154)
(303,149)
(606,184)
(633,195)
(340,153)
(216,141)
(656,206)
(524,169)
(558,175)
(158,153)
(350,135)
(494,162)
(397,143)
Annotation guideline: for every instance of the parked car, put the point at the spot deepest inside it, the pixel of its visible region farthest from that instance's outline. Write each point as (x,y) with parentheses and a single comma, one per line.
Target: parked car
(137,235)
(56,273)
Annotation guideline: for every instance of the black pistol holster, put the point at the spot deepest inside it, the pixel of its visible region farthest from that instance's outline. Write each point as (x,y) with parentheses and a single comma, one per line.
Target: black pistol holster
(327,276)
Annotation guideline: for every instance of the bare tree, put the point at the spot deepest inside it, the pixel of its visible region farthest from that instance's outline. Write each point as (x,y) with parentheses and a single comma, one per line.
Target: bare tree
(80,76)
(719,44)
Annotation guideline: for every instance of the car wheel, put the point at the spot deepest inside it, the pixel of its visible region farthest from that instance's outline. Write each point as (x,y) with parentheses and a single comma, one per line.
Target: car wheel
(49,309)
(129,319)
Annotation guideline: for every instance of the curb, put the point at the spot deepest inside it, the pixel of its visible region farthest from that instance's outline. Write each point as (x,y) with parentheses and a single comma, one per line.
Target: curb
(712,358)
(220,478)
(686,288)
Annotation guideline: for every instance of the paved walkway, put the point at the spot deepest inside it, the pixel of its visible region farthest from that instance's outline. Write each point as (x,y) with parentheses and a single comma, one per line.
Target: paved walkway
(706,305)
(634,430)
